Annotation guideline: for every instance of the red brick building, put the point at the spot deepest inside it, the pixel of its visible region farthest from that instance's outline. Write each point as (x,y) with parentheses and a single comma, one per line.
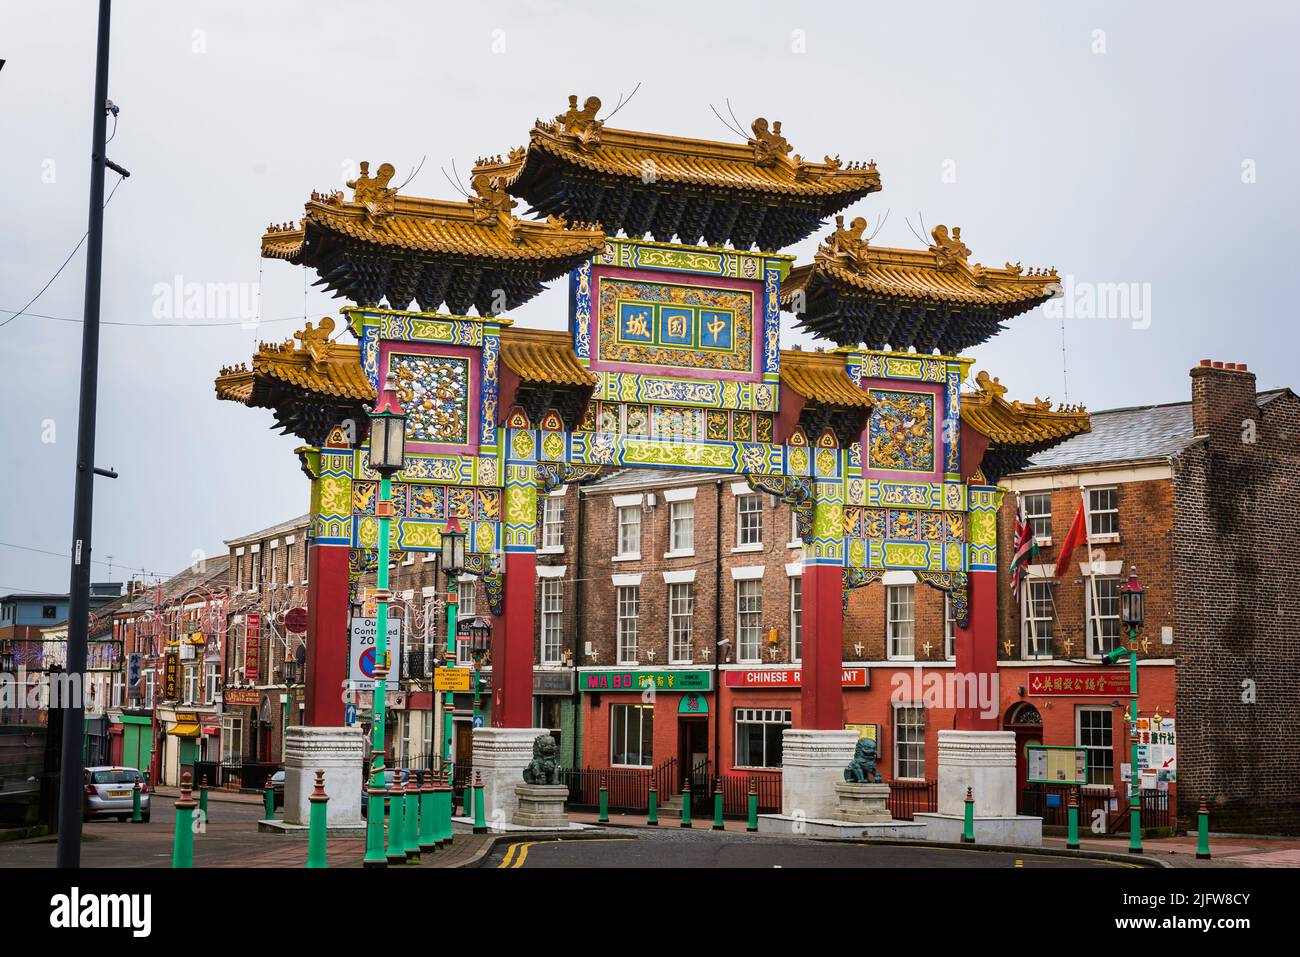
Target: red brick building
(670,563)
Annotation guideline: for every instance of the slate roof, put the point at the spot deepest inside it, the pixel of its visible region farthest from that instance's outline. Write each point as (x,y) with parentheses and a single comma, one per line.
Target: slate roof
(1131,434)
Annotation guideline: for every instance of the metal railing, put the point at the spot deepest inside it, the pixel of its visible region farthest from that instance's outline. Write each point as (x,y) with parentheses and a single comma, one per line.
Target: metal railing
(735,792)
(1051,802)
(907,798)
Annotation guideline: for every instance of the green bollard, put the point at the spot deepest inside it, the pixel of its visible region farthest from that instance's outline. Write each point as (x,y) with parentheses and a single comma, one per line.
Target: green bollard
(136,816)
(317,823)
(428,826)
(1203,833)
(686,804)
(652,816)
(480,821)
(203,797)
(412,820)
(751,825)
(396,853)
(968,826)
(717,805)
(183,837)
(268,800)
(1072,838)
(604,802)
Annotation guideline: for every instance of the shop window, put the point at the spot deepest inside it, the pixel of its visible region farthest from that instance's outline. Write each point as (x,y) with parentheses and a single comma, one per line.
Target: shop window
(631,735)
(1094,730)
(758,736)
(909,742)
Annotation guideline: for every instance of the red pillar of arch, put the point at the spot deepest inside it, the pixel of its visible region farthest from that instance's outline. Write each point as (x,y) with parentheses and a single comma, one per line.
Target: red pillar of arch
(977,654)
(512,644)
(327,635)
(821,692)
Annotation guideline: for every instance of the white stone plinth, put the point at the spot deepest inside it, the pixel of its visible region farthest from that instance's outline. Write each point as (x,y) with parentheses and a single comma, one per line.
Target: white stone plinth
(1016,829)
(339,752)
(541,805)
(848,830)
(500,755)
(861,803)
(812,763)
(985,762)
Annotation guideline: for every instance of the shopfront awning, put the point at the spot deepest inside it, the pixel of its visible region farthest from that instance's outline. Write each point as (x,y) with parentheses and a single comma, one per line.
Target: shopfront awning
(185,729)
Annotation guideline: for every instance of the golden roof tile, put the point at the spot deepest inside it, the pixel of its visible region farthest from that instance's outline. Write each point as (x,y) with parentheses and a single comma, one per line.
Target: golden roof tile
(1022,424)
(540,355)
(942,272)
(322,367)
(821,377)
(437,226)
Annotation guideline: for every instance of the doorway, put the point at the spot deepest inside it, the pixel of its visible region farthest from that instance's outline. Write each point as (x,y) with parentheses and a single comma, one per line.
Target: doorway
(693,755)
(1023,718)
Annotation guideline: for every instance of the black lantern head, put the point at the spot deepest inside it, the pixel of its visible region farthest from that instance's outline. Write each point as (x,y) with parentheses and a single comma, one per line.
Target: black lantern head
(453,548)
(1132,611)
(388,432)
(478,631)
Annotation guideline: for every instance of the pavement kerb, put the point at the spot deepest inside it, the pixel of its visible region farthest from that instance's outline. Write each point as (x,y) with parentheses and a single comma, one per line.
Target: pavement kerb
(1137,860)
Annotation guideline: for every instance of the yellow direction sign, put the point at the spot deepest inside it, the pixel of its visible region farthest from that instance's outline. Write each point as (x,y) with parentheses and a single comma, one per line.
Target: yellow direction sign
(451,679)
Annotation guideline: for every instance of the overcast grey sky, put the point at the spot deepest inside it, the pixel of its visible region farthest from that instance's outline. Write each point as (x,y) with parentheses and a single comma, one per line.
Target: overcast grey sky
(1116,141)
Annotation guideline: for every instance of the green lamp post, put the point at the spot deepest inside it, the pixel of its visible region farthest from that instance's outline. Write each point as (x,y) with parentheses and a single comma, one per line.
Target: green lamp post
(1132,613)
(478,631)
(387,456)
(453,563)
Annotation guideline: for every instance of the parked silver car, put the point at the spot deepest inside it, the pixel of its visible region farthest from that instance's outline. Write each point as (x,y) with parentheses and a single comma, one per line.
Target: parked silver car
(108,793)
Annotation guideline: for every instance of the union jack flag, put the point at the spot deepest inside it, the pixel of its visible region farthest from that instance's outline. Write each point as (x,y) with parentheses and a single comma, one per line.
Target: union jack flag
(1023,550)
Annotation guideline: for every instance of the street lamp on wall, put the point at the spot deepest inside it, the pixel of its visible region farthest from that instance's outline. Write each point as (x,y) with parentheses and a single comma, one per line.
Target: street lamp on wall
(478,631)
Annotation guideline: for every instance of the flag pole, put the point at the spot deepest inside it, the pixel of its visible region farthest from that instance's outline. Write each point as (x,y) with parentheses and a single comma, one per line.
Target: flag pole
(1092,571)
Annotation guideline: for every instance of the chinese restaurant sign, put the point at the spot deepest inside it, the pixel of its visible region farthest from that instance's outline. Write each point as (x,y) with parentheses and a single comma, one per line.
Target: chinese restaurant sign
(1100,684)
(252,643)
(790,678)
(636,680)
(171,676)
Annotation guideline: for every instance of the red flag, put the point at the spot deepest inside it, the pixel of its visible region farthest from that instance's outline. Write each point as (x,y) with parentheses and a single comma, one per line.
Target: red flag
(1071,542)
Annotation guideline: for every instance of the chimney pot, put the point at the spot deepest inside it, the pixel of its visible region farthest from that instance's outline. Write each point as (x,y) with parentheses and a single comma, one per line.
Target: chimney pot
(1216,364)
(1205,363)
(1241,367)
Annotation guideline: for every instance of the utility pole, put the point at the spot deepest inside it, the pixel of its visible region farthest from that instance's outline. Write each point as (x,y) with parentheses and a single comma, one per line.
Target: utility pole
(70,764)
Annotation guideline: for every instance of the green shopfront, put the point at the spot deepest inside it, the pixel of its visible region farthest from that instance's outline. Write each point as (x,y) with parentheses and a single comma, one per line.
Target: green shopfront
(648,718)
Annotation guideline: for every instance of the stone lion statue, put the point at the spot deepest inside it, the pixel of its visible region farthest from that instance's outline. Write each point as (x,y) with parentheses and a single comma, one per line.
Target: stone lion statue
(863,769)
(544,768)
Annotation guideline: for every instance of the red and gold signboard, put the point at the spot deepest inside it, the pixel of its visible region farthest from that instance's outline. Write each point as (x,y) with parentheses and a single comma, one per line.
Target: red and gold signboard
(241,696)
(172,676)
(1087,684)
(788,678)
(252,645)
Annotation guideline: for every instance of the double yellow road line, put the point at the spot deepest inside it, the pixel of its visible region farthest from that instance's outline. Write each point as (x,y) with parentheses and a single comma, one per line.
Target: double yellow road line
(517,853)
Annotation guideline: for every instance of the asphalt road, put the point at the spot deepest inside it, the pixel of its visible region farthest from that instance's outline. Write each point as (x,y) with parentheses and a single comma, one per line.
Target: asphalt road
(673,847)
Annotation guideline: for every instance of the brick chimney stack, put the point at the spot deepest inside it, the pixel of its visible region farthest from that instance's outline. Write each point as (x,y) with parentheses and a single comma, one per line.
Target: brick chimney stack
(1223,399)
